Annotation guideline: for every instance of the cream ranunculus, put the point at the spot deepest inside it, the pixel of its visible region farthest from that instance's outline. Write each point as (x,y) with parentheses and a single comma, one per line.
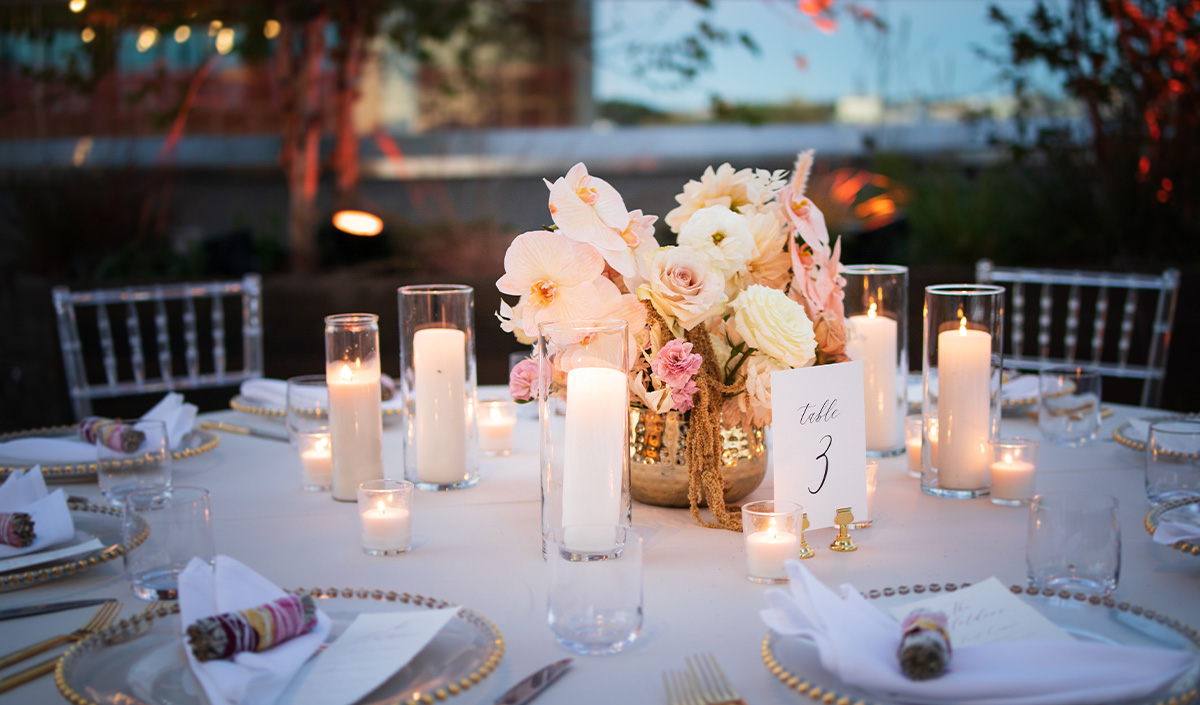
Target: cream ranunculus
(684,287)
(722,235)
(767,320)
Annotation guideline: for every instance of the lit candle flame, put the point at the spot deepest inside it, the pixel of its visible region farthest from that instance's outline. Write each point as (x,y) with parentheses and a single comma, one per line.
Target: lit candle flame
(871,312)
(346,375)
(494,413)
(962,326)
(322,445)
(1008,457)
(380,506)
(771,529)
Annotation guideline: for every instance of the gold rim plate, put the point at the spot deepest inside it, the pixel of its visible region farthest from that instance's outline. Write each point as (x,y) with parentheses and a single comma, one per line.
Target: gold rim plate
(249,405)
(796,663)
(1186,509)
(91,521)
(1126,436)
(195,442)
(141,659)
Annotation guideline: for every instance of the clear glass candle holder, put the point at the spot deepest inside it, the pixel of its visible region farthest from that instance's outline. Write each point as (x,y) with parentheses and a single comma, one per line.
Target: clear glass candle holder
(961,383)
(316,459)
(307,405)
(914,432)
(583,406)
(385,516)
(872,482)
(355,401)
(877,316)
(497,420)
(1014,471)
(437,385)
(773,531)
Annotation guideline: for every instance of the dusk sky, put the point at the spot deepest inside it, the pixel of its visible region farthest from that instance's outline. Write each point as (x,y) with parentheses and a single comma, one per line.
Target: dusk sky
(927,51)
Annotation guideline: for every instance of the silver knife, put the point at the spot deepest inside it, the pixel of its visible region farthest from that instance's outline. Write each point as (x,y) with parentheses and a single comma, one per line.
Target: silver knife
(532,686)
(48,607)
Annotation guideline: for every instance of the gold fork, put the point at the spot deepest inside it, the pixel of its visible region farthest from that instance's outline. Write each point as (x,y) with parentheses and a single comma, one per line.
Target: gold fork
(102,619)
(710,681)
(681,688)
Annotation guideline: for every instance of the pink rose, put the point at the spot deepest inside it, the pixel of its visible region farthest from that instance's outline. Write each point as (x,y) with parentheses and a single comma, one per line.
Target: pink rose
(830,331)
(523,380)
(675,364)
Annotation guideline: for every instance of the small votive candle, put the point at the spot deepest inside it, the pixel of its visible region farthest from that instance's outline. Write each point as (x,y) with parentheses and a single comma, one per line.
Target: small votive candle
(772,530)
(497,419)
(912,443)
(385,514)
(872,481)
(1014,466)
(316,460)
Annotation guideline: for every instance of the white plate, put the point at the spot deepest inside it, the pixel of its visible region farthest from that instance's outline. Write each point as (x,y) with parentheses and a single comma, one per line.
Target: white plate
(796,661)
(194,442)
(142,660)
(92,521)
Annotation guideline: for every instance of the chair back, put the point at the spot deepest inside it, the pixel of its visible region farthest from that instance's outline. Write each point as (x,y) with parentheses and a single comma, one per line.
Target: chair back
(1065,317)
(101,333)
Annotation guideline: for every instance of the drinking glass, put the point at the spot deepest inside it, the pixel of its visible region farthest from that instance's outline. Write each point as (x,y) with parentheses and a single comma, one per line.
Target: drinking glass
(1068,405)
(132,455)
(180,529)
(307,405)
(1074,542)
(1173,460)
(595,596)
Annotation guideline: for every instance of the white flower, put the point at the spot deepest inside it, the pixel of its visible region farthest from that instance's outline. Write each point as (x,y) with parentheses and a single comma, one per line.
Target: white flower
(769,264)
(767,320)
(684,287)
(757,399)
(736,190)
(722,235)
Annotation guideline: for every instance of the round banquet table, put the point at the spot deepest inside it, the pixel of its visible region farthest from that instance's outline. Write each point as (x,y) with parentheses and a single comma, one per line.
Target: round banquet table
(480,547)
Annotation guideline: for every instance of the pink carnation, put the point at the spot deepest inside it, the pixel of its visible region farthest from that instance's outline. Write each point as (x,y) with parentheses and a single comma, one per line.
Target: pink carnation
(684,397)
(675,364)
(523,380)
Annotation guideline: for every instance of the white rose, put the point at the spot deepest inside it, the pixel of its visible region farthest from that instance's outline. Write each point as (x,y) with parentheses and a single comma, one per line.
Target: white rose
(758,371)
(767,320)
(684,286)
(722,235)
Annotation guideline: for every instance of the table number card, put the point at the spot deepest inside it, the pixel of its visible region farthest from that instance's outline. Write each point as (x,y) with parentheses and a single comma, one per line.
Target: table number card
(818,445)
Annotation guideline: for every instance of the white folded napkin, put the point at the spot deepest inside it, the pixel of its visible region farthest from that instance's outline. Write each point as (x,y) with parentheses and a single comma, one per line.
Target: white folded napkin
(250,678)
(1170,532)
(858,644)
(273,393)
(25,491)
(178,416)
(1023,387)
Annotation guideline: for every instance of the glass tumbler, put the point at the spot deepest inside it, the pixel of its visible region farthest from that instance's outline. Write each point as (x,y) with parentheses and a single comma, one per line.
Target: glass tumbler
(132,455)
(180,529)
(595,596)
(1074,542)
(1173,460)
(1068,405)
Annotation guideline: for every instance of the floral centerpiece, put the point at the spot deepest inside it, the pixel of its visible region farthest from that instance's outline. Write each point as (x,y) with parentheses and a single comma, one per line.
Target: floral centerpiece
(753,286)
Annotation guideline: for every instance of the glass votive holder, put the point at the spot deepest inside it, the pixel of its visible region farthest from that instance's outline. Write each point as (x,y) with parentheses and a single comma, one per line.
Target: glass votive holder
(497,419)
(1014,466)
(872,480)
(772,533)
(316,460)
(385,514)
(912,443)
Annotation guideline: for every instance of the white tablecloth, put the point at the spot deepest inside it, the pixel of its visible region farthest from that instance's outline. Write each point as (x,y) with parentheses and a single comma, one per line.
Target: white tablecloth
(481,547)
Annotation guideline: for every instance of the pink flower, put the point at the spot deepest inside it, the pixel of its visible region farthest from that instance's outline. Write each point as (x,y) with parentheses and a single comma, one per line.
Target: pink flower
(684,398)
(523,380)
(675,364)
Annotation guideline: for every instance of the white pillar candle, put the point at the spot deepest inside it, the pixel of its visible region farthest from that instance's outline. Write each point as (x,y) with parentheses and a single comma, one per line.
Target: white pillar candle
(355,425)
(386,528)
(595,446)
(439,367)
(964,405)
(874,343)
(1012,479)
(767,550)
(316,459)
(495,429)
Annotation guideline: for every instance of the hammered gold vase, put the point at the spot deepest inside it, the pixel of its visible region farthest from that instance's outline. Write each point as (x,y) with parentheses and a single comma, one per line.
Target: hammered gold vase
(658,469)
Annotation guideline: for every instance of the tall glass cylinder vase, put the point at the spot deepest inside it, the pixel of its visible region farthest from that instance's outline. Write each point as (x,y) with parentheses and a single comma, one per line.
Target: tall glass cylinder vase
(355,411)
(961,383)
(583,404)
(437,385)
(877,314)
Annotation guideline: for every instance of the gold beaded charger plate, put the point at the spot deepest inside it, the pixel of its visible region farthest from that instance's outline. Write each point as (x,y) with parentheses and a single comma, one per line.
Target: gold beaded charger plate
(195,442)
(1133,438)
(142,659)
(797,664)
(1186,510)
(250,405)
(92,521)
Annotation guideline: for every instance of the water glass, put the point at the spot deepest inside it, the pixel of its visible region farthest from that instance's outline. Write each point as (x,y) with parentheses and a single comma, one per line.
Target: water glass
(1173,460)
(180,529)
(595,596)
(1074,542)
(132,455)
(307,405)
(1068,405)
